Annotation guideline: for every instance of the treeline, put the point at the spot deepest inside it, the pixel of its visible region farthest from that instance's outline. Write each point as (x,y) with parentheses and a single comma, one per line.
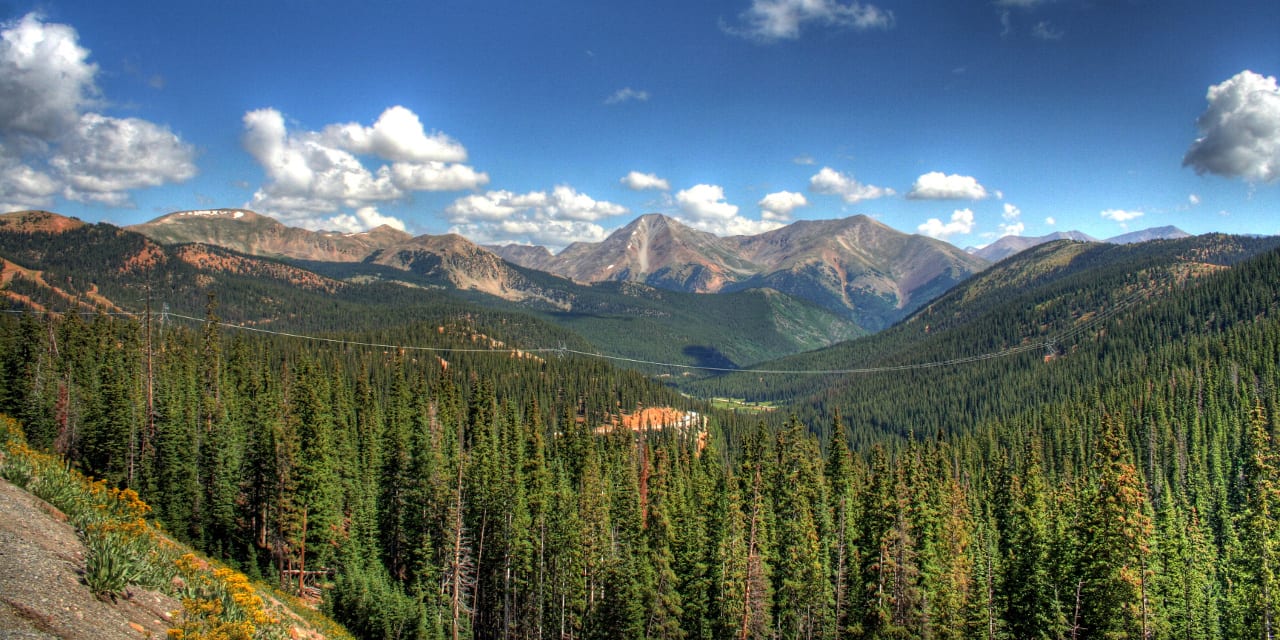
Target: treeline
(478,500)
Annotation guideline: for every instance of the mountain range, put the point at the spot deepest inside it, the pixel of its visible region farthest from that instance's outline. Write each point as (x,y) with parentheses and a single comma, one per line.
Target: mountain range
(655,289)
(1010,245)
(856,268)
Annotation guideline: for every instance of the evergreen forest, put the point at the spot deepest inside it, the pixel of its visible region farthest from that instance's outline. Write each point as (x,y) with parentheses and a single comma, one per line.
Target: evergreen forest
(1124,485)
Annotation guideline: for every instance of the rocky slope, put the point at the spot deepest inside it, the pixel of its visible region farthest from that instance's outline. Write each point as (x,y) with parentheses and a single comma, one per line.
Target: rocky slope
(856,267)
(449,260)
(41,593)
(259,235)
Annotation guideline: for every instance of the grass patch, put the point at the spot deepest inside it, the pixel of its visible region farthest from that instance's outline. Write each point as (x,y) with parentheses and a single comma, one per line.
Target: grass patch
(740,404)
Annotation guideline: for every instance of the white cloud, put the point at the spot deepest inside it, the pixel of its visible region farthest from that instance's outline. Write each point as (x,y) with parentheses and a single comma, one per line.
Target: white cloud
(705,208)
(778,206)
(1240,131)
(804,159)
(1012,228)
(627,94)
(398,136)
(103,158)
(313,175)
(363,219)
(961,223)
(553,234)
(831,182)
(1012,225)
(1051,221)
(1193,199)
(553,218)
(436,176)
(51,145)
(936,185)
(772,20)
(45,78)
(22,187)
(1121,215)
(637,181)
(705,202)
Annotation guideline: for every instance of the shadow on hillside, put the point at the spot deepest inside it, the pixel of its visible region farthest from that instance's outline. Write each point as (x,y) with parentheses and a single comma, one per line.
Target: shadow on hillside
(709,357)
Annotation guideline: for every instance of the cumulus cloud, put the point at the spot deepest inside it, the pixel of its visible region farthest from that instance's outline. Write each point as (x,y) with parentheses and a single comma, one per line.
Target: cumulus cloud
(554,218)
(1012,225)
(45,77)
(1051,221)
(705,208)
(103,158)
(627,94)
(363,219)
(1193,200)
(778,206)
(398,136)
(1120,215)
(313,175)
(1240,130)
(936,185)
(22,187)
(51,143)
(637,181)
(828,181)
(553,234)
(773,20)
(961,223)
(436,176)
(1012,228)
(705,202)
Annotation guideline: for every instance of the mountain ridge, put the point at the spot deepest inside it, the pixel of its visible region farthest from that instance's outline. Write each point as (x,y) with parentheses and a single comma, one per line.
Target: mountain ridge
(1010,245)
(857,267)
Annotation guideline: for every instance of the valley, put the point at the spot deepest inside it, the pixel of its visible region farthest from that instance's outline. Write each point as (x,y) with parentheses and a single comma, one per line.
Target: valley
(453,444)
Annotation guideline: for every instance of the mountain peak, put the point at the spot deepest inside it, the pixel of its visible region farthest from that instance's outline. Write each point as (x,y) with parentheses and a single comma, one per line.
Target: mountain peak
(1167,232)
(243,215)
(387,234)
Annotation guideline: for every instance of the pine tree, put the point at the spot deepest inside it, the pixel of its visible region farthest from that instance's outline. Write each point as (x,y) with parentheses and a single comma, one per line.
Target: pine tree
(1027,588)
(1114,534)
(1260,530)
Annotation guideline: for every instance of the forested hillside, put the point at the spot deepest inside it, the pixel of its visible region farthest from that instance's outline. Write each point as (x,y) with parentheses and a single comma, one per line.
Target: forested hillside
(1131,496)
(56,263)
(1067,315)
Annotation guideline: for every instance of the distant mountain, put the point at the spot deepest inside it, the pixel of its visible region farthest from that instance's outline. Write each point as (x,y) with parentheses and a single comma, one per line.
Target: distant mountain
(1154,233)
(259,235)
(653,249)
(450,260)
(856,267)
(50,262)
(1009,245)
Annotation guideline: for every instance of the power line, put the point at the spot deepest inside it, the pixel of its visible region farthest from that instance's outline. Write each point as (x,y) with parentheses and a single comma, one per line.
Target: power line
(1050,344)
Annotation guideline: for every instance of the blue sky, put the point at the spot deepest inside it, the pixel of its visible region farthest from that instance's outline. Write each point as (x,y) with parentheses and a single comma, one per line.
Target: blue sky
(552,122)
